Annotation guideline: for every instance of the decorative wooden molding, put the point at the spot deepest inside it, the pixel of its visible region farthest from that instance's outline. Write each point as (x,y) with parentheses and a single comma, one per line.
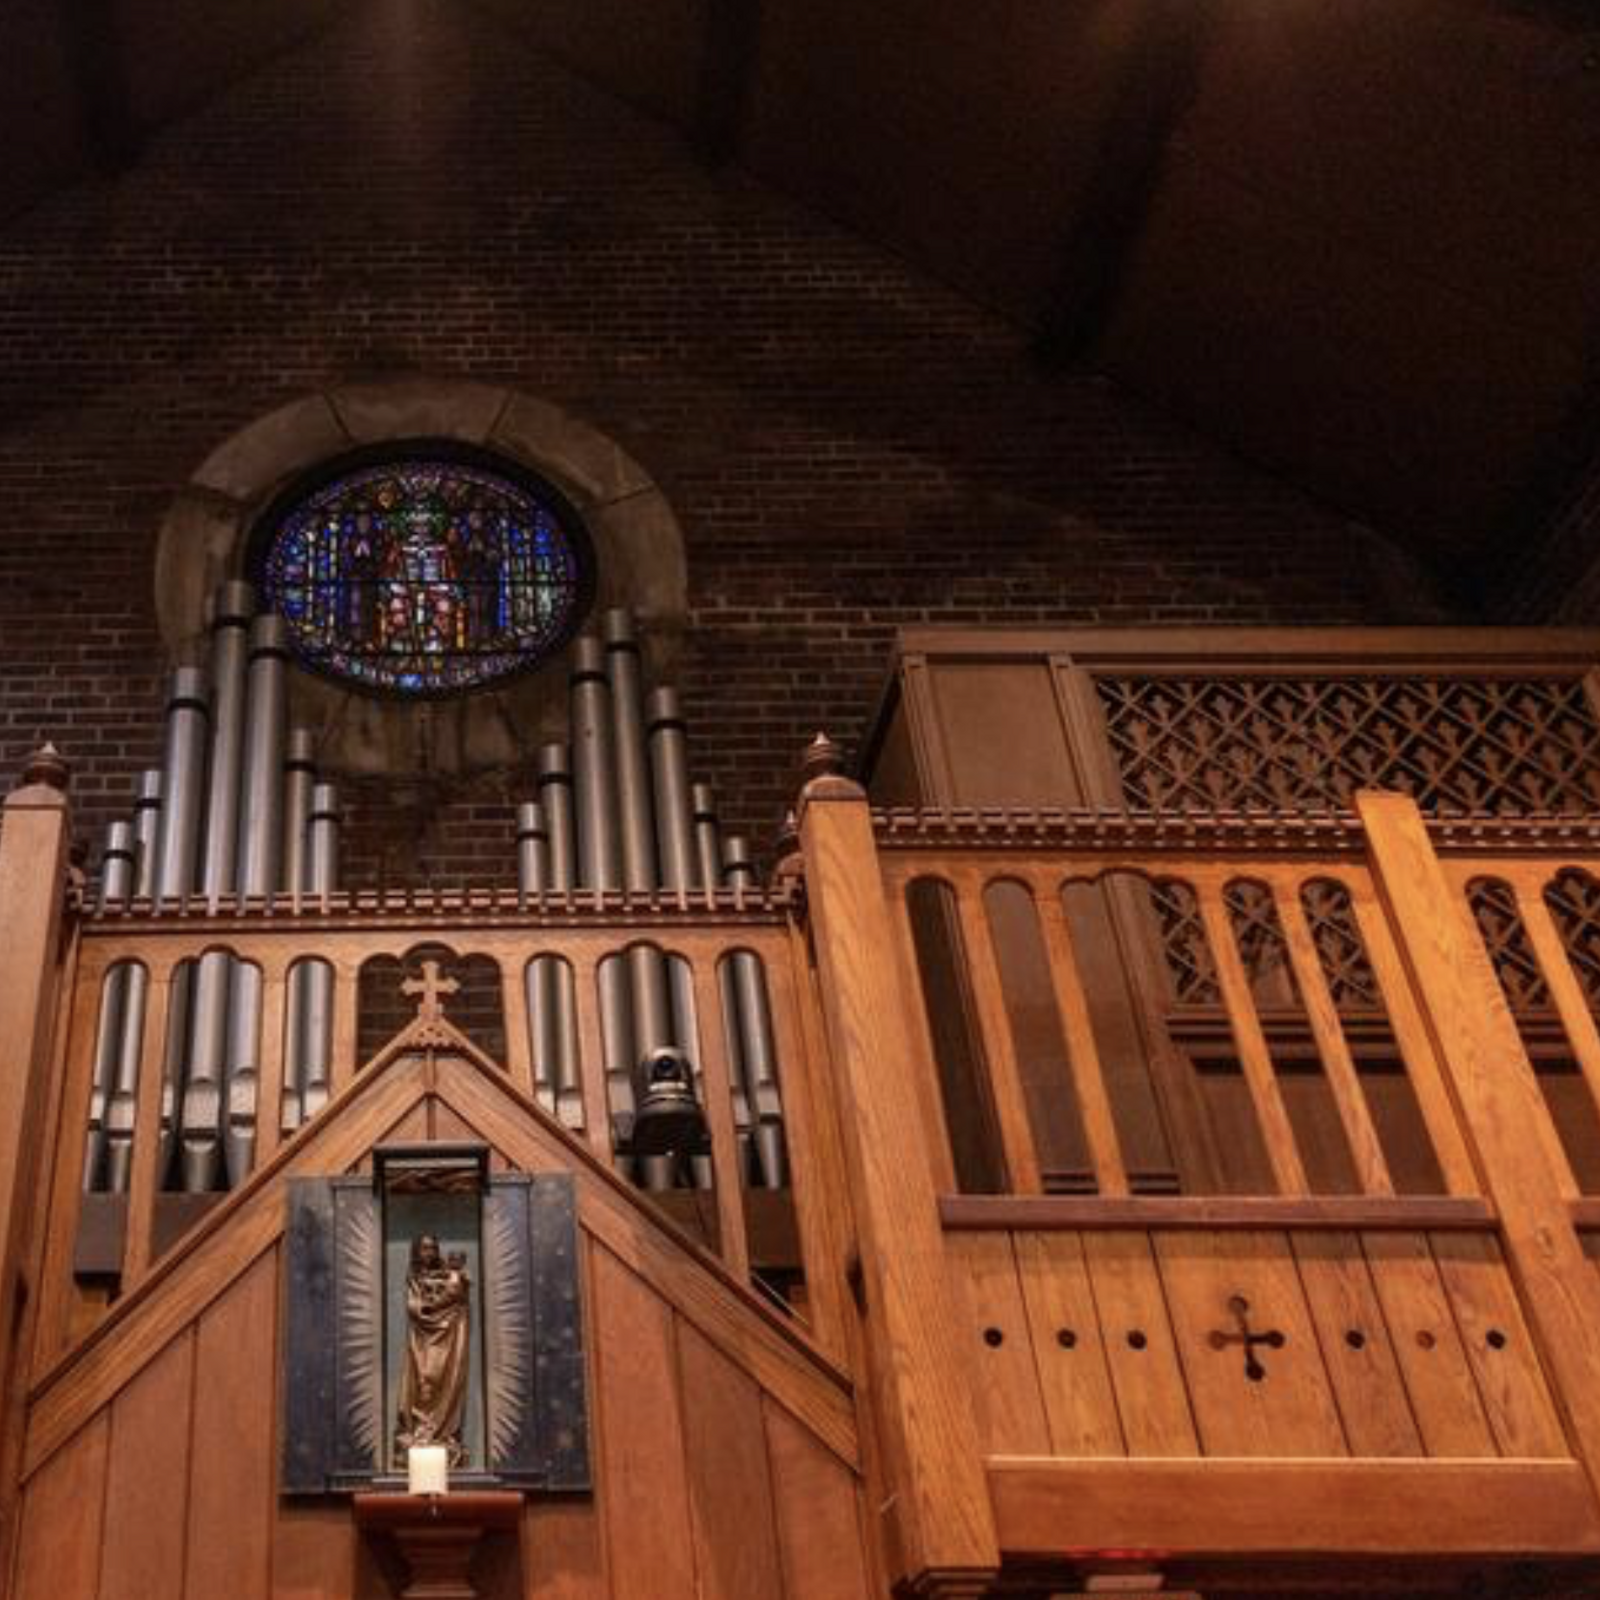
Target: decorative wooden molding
(455,911)
(1202,1506)
(1335,1213)
(1111,831)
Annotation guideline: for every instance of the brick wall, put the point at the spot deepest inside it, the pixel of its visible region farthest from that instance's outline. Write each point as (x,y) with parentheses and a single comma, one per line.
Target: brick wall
(848,446)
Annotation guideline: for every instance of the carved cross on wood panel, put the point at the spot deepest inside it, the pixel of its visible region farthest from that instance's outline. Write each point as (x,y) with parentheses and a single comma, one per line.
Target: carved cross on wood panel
(1273,1339)
(429,988)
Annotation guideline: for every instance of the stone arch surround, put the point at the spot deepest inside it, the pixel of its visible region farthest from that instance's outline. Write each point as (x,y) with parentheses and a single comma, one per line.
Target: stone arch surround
(638,544)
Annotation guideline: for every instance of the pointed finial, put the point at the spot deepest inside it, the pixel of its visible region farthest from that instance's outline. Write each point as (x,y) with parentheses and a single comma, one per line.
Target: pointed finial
(822,774)
(788,840)
(822,759)
(790,863)
(47,766)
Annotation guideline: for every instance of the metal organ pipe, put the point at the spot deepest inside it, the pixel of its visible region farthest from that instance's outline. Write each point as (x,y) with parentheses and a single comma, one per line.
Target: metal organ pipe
(316,1018)
(533,875)
(229,646)
(707,837)
(669,771)
(116,883)
(123,1102)
(177,850)
(632,759)
(299,776)
(209,1006)
(680,866)
(555,799)
(599,855)
(555,796)
(182,775)
(649,1002)
(759,1058)
(708,874)
(533,849)
(260,823)
(594,768)
(261,820)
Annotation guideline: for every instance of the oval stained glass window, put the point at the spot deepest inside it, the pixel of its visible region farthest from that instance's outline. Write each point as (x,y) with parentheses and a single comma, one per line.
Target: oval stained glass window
(425,572)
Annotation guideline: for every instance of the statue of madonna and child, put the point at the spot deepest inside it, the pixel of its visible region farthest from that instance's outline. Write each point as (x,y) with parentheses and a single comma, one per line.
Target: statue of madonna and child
(433,1380)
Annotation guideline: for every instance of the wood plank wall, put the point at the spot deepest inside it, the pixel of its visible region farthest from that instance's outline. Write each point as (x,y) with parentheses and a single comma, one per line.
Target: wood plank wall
(1394,1344)
(708,1486)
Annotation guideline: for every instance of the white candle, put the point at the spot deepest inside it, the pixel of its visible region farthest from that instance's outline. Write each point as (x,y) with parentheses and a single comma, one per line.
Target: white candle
(428,1469)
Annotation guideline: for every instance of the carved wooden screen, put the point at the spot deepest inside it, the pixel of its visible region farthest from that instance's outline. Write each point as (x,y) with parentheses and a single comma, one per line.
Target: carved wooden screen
(1296,743)
(1189,721)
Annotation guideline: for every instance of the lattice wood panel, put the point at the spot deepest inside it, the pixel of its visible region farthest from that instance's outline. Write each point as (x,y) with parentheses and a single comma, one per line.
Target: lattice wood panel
(1260,939)
(1459,744)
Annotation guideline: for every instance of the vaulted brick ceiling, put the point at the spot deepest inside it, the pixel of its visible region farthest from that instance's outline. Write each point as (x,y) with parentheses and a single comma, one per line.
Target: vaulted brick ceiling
(1357,241)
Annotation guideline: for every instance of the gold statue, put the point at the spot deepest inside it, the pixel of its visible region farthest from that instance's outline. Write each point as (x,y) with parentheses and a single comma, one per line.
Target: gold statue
(433,1385)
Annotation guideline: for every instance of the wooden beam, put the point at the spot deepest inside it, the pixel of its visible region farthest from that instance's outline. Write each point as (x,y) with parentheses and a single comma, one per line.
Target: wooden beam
(1338,1213)
(1228,1506)
(1104,230)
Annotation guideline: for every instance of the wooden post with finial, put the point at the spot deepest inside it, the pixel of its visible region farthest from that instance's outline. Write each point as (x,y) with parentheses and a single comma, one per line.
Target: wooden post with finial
(34,828)
(1514,1144)
(941,1539)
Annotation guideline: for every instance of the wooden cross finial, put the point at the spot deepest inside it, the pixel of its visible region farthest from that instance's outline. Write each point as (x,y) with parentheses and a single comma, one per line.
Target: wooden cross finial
(429,988)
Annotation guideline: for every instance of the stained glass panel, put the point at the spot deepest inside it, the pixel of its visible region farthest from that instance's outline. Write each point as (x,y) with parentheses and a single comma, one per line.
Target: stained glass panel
(424,576)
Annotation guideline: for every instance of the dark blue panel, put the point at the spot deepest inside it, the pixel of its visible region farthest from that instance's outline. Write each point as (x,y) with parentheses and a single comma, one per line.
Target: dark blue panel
(560,1376)
(309,1414)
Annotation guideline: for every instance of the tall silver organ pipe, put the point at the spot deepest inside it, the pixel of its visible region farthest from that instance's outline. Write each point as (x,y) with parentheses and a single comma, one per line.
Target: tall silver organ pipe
(759,1061)
(533,877)
(182,780)
(299,775)
(555,799)
(316,1031)
(177,850)
(649,1004)
(209,1005)
(707,837)
(594,771)
(261,818)
(259,854)
(669,772)
(632,760)
(146,831)
(136,988)
(594,768)
(555,796)
(229,646)
(533,849)
(116,884)
(680,868)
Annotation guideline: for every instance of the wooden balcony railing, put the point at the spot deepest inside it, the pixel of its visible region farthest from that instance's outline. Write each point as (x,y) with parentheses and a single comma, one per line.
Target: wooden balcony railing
(1237,1155)
(1183,1187)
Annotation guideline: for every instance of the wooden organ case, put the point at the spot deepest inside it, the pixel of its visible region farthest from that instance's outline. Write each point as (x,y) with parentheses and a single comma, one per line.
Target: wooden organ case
(1144,1142)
